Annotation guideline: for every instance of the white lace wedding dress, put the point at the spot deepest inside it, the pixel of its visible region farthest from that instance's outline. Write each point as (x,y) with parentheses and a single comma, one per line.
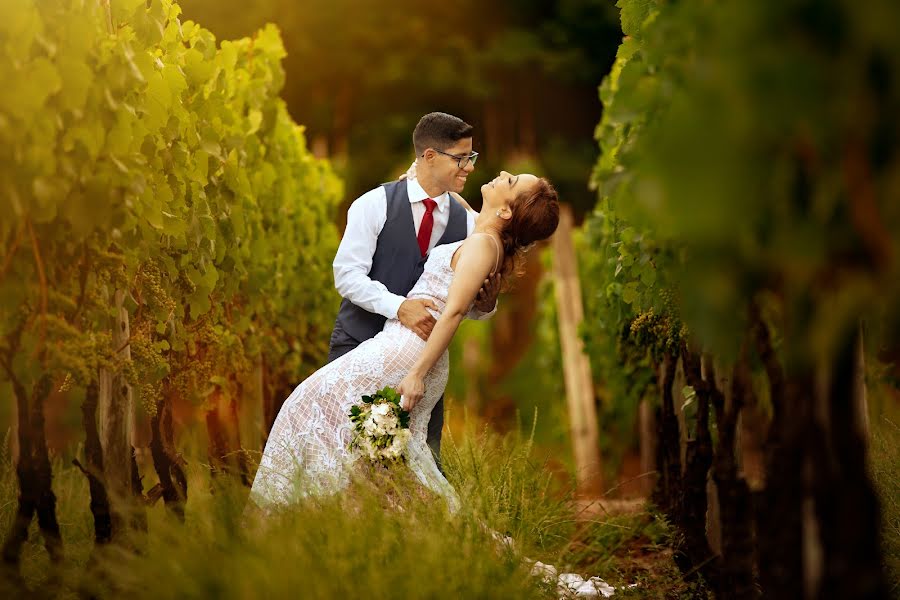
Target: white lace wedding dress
(308,448)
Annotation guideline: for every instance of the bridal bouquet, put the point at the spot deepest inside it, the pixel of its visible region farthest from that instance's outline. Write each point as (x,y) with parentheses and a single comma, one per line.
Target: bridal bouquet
(381,427)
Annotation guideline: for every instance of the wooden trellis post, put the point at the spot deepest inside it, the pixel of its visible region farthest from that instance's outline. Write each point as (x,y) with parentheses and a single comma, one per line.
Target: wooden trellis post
(116,414)
(576,367)
(861,399)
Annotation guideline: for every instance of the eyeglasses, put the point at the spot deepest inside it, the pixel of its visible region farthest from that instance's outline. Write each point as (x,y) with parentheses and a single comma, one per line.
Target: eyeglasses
(461,161)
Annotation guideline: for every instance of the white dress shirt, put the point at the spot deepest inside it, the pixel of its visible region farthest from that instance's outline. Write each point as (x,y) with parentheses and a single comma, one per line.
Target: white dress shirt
(365,220)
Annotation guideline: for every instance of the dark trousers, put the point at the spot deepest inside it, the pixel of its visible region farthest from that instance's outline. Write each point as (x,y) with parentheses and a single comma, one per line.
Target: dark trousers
(342,343)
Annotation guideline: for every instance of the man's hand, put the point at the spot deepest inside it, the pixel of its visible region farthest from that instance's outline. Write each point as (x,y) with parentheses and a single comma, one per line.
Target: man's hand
(487,295)
(413,314)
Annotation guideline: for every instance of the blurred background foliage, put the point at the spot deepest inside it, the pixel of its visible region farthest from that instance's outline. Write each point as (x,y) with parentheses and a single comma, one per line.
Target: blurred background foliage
(360,73)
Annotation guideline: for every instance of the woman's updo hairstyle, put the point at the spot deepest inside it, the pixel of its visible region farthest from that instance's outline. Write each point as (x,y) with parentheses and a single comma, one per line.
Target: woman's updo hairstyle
(535,215)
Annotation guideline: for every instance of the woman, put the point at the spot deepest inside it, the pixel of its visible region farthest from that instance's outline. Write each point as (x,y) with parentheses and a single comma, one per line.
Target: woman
(308,448)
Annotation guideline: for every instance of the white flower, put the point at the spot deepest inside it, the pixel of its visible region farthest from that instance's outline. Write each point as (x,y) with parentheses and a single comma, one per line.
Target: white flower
(381,409)
(366,447)
(370,426)
(398,444)
(388,424)
(384,416)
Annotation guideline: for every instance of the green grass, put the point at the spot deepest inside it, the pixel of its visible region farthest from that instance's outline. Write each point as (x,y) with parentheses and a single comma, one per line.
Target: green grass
(383,538)
(885,467)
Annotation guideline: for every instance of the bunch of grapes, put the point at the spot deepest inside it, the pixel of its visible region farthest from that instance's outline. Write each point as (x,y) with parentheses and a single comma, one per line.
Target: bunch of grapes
(675,331)
(668,301)
(67,383)
(194,366)
(646,328)
(212,350)
(153,294)
(77,354)
(661,333)
(150,394)
(149,365)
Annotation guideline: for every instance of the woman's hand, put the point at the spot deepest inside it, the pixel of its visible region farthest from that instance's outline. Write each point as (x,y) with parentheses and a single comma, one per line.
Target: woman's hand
(410,172)
(411,391)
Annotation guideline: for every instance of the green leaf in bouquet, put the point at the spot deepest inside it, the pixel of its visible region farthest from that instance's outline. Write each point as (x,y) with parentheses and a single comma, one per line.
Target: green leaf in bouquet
(389,393)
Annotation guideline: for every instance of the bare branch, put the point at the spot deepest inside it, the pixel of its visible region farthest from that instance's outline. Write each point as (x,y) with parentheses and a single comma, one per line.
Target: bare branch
(7,261)
(43,280)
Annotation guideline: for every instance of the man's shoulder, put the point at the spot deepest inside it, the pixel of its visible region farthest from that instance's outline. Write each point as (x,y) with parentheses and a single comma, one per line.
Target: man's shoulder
(394,187)
(392,184)
(374,195)
(394,191)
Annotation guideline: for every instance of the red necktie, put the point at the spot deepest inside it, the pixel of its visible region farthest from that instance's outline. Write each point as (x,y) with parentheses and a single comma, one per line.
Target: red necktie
(427,225)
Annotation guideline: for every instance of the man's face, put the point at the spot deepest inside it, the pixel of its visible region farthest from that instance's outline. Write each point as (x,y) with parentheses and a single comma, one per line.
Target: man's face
(446,169)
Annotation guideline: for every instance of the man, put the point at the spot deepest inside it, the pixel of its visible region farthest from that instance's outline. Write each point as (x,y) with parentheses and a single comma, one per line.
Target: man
(391,229)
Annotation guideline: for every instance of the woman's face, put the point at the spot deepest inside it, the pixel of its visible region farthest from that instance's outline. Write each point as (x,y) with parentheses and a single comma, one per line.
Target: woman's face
(503,189)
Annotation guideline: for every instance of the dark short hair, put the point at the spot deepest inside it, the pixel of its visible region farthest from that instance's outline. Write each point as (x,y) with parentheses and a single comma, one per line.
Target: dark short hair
(439,130)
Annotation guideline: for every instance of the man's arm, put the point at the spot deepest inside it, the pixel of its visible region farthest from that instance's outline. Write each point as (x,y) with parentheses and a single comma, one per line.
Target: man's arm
(353,260)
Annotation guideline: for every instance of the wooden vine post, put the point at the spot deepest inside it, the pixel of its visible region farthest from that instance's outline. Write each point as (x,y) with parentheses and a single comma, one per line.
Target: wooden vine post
(576,367)
(115,423)
(860,392)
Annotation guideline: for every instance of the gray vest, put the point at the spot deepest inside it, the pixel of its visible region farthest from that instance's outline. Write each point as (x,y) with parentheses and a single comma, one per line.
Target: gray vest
(397,262)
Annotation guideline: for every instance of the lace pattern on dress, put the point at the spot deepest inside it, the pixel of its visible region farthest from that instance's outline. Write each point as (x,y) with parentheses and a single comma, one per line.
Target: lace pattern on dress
(308,448)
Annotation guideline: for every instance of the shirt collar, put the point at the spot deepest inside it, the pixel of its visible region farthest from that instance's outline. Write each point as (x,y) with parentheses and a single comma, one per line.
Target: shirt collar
(417,194)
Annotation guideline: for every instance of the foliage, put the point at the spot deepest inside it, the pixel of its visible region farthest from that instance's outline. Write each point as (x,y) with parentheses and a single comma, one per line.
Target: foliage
(745,147)
(747,207)
(139,156)
(631,312)
(735,168)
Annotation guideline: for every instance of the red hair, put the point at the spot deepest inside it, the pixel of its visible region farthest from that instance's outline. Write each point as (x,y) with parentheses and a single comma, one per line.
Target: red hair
(535,216)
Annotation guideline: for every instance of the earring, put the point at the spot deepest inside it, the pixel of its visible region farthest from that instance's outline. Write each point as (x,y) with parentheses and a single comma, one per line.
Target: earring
(498,213)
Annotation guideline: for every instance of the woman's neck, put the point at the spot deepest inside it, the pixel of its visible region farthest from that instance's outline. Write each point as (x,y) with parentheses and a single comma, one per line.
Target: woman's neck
(487,223)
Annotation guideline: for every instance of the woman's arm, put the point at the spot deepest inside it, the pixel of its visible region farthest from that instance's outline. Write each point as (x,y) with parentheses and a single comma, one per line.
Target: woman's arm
(476,259)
